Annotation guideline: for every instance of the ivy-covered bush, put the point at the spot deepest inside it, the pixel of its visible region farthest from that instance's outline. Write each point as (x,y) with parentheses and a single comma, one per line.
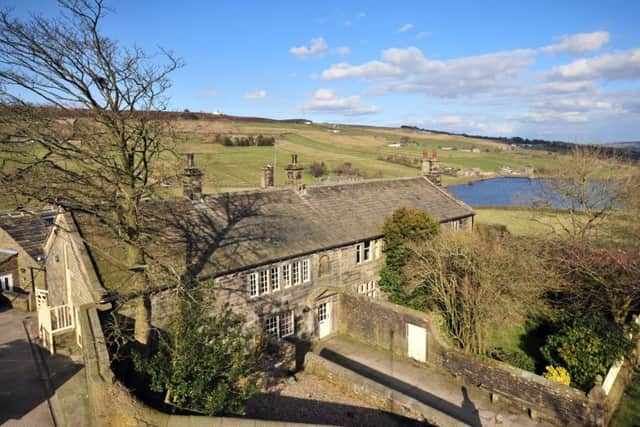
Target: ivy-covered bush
(403,226)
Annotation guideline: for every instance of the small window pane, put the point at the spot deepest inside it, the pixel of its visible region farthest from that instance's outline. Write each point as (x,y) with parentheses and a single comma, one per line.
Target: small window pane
(286,275)
(367,251)
(286,324)
(253,285)
(296,272)
(275,279)
(271,326)
(264,282)
(306,276)
(358,254)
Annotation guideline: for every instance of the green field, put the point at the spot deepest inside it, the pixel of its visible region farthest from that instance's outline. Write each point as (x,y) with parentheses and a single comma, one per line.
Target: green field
(228,168)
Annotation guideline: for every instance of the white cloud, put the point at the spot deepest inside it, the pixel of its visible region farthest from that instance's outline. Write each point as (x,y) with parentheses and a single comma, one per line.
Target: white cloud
(408,70)
(317,46)
(613,66)
(260,94)
(447,120)
(343,50)
(579,43)
(361,14)
(405,28)
(553,116)
(208,93)
(326,101)
(423,34)
(373,69)
(348,23)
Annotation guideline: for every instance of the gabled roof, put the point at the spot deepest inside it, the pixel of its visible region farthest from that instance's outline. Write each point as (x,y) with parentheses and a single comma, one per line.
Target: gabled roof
(233,231)
(243,229)
(29,230)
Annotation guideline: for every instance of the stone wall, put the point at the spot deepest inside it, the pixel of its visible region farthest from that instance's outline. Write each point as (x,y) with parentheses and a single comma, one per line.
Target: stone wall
(383,325)
(29,270)
(71,278)
(375,393)
(232,290)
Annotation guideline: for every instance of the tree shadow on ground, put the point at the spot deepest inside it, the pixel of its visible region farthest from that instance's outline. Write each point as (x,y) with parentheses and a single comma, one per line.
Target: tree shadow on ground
(21,379)
(466,413)
(292,409)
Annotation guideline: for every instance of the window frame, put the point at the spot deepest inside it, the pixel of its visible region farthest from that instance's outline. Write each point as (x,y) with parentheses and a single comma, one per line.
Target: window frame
(263,284)
(286,275)
(306,270)
(274,278)
(252,279)
(296,273)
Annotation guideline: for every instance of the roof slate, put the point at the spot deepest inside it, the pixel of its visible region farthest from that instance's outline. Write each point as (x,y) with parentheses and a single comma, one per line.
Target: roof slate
(234,231)
(28,230)
(244,229)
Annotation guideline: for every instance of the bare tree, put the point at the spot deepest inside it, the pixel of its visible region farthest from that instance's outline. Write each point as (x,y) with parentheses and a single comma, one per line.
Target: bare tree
(474,283)
(602,280)
(95,143)
(589,186)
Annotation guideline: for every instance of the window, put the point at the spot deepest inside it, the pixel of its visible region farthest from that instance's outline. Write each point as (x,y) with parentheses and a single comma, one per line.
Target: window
(286,324)
(271,326)
(280,325)
(286,275)
(306,272)
(369,289)
(275,279)
(253,284)
(264,282)
(295,270)
(324,267)
(6,282)
(322,312)
(367,250)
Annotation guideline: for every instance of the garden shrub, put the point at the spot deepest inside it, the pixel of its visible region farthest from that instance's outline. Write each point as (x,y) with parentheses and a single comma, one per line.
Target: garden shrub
(557,374)
(587,346)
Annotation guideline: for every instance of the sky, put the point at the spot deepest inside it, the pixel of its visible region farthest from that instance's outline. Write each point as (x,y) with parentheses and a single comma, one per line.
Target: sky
(564,70)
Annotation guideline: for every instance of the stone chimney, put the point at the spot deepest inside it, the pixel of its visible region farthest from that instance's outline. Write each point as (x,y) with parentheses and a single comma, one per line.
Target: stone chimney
(192,180)
(294,174)
(430,167)
(266,180)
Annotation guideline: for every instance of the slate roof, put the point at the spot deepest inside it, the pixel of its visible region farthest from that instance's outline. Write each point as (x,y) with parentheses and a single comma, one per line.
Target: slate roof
(232,231)
(29,230)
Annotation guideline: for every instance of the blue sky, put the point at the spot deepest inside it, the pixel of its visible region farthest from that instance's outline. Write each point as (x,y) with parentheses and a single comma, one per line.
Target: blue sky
(565,70)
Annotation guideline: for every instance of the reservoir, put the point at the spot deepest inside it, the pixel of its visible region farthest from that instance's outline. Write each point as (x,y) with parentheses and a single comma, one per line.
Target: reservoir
(499,192)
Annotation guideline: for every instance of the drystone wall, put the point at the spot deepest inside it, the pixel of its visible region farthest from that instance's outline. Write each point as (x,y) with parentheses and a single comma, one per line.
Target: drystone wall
(383,325)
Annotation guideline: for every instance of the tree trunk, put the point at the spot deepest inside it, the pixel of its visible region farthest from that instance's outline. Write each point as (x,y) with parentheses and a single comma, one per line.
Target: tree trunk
(142,325)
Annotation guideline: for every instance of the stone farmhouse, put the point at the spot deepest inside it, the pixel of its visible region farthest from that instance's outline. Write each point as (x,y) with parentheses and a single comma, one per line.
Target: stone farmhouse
(300,263)
(22,237)
(281,255)
(277,255)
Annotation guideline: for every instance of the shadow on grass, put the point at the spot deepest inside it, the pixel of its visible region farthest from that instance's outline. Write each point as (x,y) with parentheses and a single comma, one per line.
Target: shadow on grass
(536,334)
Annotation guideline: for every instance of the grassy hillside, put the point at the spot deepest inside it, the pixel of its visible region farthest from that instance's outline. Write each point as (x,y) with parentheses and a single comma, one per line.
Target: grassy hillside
(239,167)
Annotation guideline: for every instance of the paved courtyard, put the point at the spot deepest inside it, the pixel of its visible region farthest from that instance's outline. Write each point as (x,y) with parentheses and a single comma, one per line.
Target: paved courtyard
(23,400)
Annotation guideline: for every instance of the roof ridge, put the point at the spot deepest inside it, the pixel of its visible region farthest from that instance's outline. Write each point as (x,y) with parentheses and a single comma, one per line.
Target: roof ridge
(449,195)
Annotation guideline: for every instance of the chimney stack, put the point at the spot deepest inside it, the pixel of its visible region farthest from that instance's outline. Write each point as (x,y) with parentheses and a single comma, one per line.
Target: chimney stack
(192,180)
(294,174)
(430,168)
(267,180)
